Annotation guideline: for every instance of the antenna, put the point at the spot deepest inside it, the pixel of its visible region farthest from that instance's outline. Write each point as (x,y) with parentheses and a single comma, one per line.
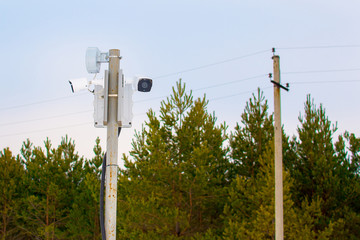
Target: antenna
(94,58)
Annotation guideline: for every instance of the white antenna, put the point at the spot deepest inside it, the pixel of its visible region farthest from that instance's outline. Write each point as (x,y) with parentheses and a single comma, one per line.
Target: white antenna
(94,58)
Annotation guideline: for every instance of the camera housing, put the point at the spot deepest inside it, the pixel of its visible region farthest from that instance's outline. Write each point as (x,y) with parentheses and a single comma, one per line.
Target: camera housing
(79,84)
(142,84)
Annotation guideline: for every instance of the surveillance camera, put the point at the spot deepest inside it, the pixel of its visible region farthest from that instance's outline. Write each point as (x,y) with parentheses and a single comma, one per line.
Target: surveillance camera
(142,84)
(78,84)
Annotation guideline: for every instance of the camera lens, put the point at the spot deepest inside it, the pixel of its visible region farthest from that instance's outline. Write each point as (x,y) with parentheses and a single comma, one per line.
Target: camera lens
(144,84)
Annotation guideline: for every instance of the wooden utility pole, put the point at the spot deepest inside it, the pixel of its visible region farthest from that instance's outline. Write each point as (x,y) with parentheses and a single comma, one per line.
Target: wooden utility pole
(279,213)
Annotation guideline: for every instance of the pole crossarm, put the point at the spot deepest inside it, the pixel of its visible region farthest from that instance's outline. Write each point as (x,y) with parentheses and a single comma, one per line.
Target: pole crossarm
(279,85)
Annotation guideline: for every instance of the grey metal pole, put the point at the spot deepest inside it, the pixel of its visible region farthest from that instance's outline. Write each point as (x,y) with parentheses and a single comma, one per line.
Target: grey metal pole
(279,221)
(112,146)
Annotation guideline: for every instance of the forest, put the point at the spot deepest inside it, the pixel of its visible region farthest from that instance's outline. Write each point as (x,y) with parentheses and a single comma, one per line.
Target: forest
(189,177)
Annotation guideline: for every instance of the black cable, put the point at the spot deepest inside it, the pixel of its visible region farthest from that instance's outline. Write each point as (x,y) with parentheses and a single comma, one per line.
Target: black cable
(102,224)
(102,187)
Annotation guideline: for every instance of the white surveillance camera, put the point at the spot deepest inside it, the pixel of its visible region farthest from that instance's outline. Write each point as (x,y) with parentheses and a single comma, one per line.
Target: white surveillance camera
(142,84)
(79,84)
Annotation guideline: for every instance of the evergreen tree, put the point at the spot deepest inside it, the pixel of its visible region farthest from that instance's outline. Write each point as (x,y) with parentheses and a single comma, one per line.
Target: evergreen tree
(174,185)
(85,207)
(323,172)
(51,179)
(11,187)
(180,183)
(250,138)
(249,213)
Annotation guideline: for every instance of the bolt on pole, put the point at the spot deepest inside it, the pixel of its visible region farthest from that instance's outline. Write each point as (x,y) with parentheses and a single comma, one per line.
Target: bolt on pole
(112,146)
(279,217)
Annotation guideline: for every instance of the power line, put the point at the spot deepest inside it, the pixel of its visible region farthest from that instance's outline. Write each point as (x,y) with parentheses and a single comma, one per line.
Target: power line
(227,96)
(212,64)
(320,47)
(144,113)
(47,118)
(161,76)
(52,117)
(323,71)
(151,99)
(254,77)
(320,82)
(45,130)
(212,99)
(203,88)
(40,102)
(137,114)
(156,98)
(232,82)
(237,94)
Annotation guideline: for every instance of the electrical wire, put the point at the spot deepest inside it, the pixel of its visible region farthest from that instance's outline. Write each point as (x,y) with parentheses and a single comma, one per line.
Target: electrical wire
(228,96)
(46,130)
(319,47)
(323,71)
(86,123)
(158,77)
(198,89)
(46,118)
(156,98)
(144,113)
(203,88)
(321,82)
(52,117)
(162,97)
(237,94)
(41,102)
(211,64)
(232,82)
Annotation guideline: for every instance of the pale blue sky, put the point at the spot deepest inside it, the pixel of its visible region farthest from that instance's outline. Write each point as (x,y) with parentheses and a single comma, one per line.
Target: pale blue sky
(43,44)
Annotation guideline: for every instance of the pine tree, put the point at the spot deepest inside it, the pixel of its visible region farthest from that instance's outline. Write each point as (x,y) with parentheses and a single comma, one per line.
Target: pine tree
(323,172)
(249,139)
(11,186)
(84,214)
(249,213)
(174,185)
(51,177)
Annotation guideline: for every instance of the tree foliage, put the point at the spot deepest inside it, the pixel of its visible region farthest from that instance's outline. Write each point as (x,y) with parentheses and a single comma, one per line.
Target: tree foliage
(187,178)
(175,181)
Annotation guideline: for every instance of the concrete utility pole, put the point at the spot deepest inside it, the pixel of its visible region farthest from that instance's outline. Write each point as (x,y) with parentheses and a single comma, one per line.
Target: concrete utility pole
(279,215)
(112,109)
(112,145)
